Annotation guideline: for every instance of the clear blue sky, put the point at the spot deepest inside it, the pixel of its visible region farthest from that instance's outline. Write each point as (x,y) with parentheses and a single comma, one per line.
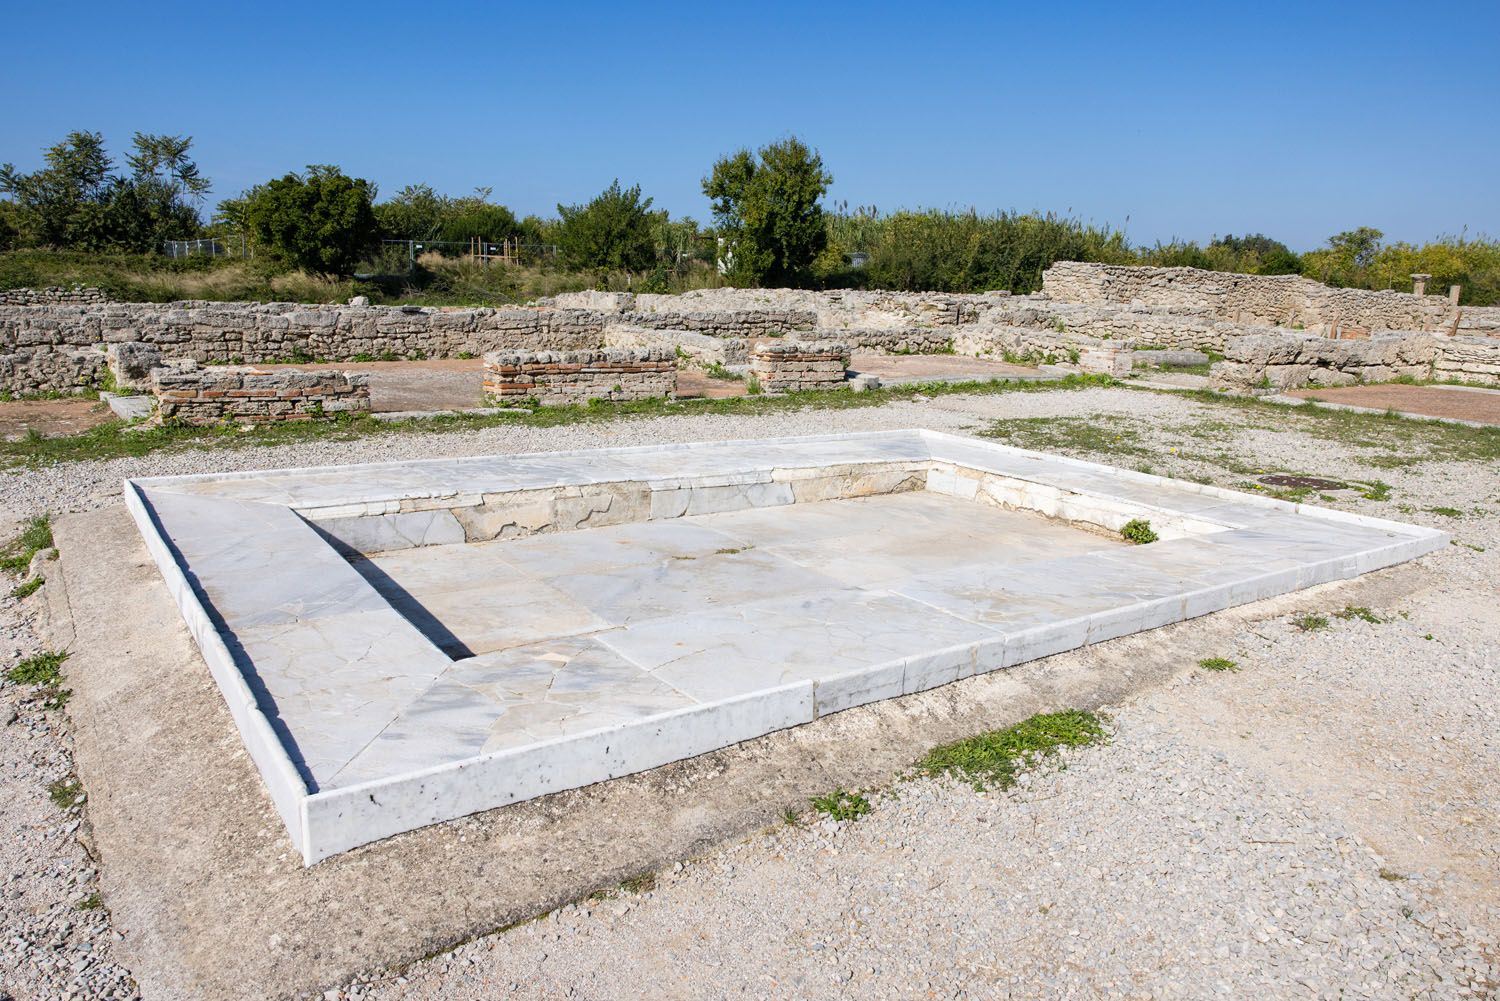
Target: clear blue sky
(1187,120)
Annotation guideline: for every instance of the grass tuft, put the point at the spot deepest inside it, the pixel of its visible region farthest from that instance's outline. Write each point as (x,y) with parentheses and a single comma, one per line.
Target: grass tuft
(842,805)
(66,793)
(1310,623)
(16,555)
(1218,664)
(43,669)
(27,589)
(997,757)
(1358,612)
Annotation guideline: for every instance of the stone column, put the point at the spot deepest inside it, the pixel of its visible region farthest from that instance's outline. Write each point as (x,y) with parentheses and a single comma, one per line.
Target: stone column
(1419,284)
(1453,291)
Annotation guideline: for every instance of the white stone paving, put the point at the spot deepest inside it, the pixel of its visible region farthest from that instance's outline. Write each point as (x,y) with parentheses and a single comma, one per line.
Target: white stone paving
(444,677)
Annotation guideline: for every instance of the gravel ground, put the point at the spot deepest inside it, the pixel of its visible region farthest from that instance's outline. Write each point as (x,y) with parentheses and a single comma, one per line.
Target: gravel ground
(1323,822)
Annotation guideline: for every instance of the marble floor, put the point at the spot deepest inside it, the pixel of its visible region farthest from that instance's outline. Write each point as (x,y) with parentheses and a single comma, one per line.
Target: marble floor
(422,677)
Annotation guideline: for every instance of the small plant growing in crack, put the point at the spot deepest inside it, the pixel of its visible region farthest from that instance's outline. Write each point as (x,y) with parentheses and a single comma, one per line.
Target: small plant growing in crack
(1358,612)
(842,805)
(66,793)
(1311,622)
(1218,664)
(1138,531)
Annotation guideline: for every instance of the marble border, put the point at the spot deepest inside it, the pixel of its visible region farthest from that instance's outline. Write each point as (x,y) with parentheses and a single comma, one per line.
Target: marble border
(325,821)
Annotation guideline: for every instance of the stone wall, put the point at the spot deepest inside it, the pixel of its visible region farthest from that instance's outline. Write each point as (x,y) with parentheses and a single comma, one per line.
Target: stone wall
(188,393)
(701,349)
(54,295)
(267,332)
(559,378)
(51,369)
(1274,300)
(834,309)
(786,366)
(1290,361)
(1468,359)
(895,340)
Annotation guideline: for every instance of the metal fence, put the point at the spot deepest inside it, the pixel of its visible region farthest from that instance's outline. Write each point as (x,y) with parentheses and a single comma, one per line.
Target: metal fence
(233,245)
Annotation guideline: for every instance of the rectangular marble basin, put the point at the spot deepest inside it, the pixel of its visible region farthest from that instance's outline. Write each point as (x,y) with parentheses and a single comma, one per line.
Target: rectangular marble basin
(403,644)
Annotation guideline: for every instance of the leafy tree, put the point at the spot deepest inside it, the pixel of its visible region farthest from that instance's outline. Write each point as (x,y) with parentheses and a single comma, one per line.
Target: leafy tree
(1255,254)
(476,217)
(415,213)
(1346,258)
(613,231)
(62,205)
(321,221)
(766,207)
(75,201)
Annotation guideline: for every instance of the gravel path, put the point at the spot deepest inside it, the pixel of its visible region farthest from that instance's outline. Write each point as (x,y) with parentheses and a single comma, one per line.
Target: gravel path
(1323,822)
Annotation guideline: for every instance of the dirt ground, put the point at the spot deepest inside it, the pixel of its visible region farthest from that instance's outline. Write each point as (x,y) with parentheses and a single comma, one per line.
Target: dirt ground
(1460,402)
(1380,732)
(50,417)
(442,384)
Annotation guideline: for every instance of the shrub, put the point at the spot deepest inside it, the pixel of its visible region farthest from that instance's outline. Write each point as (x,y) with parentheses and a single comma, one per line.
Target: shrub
(321,221)
(614,230)
(766,206)
(1138,531)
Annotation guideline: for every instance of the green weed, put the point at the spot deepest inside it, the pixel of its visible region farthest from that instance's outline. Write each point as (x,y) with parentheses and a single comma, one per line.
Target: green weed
(997,757)
(1138,531)
(1218,664)
(842,805)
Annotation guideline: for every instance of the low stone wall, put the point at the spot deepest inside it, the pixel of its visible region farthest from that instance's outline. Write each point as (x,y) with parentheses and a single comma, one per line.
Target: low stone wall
(1468,359)
(1274,300)
(269,332)
(188,393)
(1290,361)
(791,366)
(701,349)
(897,340)
(789,308)
(1173,327)
(559,378)
(54,295)
(49,369)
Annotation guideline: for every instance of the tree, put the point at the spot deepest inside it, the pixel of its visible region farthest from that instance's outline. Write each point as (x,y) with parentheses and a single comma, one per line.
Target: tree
(766,208)
(62,205)
(614,231)
(321,221)
(1346,258)
(75,201)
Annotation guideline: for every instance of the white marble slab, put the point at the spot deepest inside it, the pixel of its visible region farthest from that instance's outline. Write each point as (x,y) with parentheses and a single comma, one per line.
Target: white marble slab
(437,678)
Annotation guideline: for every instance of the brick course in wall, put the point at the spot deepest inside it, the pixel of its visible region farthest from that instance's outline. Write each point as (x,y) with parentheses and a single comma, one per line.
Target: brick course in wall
(559,378)
(791,366)
(201,395)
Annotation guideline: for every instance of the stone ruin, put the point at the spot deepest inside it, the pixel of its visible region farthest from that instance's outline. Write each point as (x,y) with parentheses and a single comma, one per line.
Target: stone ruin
(1277,332)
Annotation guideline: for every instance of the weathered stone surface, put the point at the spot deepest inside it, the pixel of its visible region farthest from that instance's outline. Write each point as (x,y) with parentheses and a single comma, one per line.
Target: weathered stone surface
(559,378)
(790,366)
(132,362)
(1279,300)
(202,395)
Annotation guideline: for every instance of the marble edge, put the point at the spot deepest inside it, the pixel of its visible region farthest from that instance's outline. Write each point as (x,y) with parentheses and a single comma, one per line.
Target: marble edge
(243,474)
(344,818)
(1207,490)
(283,782)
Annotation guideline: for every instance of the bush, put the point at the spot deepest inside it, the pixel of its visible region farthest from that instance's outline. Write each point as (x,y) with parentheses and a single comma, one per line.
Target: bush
(322,221)
(613,231)
(767,209)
